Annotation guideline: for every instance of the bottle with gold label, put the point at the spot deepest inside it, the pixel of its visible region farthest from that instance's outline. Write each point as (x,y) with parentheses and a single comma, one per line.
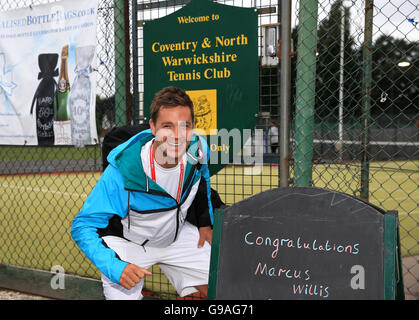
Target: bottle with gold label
(63,88)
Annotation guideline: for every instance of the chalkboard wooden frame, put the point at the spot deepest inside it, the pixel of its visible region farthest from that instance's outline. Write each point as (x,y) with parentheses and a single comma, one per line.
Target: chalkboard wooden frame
(393,278)
(393,274)
(215,253)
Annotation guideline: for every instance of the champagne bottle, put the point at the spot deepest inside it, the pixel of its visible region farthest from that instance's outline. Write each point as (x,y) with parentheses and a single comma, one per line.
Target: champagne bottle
(63,88)
(44,98)
(80,98)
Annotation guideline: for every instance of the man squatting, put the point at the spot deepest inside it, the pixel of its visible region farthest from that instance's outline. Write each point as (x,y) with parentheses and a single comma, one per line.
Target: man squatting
(152,205)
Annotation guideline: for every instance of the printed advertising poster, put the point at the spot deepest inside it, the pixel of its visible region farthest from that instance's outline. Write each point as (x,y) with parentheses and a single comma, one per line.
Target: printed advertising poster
(47,87)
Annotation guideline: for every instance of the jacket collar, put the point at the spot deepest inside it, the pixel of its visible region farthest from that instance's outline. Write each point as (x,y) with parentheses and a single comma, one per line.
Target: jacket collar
(128,161)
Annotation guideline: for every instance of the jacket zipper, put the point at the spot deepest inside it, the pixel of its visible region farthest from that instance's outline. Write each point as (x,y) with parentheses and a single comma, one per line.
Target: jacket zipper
(178,205)
(177,222)
(129,220)
(178,210)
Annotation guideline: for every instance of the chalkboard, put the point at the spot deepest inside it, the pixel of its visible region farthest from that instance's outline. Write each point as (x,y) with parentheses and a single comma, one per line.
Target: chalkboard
(304,243)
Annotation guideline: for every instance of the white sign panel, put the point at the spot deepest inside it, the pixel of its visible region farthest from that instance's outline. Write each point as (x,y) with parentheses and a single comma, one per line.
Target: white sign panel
(47,87)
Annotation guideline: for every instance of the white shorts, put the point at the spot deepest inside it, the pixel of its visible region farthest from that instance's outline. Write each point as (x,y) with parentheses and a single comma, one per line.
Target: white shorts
(183,263)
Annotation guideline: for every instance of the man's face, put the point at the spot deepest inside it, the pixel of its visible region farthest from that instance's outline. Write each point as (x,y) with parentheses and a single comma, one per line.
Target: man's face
(173,131)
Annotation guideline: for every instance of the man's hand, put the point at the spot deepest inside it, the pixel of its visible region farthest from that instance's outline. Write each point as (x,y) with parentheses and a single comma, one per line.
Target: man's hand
(132,275)
(205,234)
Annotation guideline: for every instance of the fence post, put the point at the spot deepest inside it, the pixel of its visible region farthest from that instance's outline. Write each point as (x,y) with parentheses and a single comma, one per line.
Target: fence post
(135,88)
(366,99)
(122,72)
(285,91)
(305,92)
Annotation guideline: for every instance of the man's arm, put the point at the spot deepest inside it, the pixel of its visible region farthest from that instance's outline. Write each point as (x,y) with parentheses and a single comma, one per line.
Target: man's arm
(108,198)
(201,211)
(204,208)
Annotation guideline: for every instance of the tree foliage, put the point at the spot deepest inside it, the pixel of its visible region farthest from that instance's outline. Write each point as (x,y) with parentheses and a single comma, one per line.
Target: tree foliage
(328,67)
(395,89)
(394,92)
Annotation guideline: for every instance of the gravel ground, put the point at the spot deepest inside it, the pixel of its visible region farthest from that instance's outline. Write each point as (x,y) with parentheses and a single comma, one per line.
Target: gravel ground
(14,295)
(410,278)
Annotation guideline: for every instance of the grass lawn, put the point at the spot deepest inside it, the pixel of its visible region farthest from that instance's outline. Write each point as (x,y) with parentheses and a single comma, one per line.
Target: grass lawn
(35,153)
(37,210)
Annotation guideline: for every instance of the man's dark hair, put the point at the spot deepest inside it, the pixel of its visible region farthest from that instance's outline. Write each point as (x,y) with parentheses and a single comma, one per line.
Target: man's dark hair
(170,97)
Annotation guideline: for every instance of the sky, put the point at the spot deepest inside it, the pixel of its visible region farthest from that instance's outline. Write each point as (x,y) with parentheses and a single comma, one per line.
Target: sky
(390,16)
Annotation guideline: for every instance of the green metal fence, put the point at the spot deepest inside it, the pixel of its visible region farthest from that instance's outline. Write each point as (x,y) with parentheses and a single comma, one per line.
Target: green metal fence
(353,124)
(356,108)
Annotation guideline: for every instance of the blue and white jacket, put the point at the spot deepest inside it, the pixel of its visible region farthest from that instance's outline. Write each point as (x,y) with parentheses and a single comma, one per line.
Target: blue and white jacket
(127,203)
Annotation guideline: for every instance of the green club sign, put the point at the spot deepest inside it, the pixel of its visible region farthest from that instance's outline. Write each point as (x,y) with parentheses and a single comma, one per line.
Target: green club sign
(210,51)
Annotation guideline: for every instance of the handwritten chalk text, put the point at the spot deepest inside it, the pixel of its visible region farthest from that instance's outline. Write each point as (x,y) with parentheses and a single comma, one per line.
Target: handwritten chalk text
(314,245)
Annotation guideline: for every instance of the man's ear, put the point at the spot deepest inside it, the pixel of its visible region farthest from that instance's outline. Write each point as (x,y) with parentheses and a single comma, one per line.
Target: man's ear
(152,127)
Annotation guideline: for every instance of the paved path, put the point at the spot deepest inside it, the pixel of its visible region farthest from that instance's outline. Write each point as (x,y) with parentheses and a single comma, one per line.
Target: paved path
(410,278)
(14,295)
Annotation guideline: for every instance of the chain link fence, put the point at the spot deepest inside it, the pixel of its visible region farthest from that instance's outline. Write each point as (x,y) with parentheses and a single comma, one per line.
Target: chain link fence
(355,116)
(353,125)
(43,188)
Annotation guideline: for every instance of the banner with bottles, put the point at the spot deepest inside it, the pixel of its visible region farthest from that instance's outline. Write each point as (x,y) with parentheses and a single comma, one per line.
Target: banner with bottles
(47,83)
